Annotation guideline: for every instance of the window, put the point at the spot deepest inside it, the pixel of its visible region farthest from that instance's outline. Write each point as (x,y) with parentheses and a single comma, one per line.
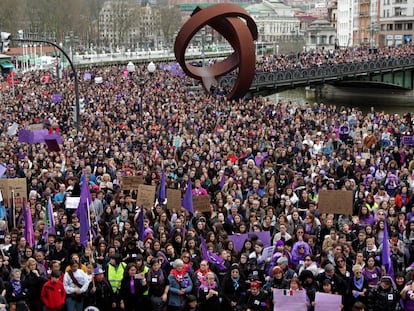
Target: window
(398,27)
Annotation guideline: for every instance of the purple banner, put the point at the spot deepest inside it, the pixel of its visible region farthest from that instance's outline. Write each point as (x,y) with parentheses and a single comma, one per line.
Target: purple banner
(263,236)
(54,136)
(238,241)
(408,140)
(56,98)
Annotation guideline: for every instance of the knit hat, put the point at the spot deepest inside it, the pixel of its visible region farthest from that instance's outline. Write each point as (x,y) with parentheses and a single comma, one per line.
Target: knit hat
(282,260)
(98,270)
(280,243)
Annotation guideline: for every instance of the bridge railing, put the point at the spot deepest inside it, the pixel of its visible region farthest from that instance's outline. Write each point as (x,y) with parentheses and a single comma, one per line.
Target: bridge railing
(324,73)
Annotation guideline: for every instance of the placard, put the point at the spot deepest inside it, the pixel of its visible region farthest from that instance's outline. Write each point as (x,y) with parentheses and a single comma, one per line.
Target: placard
(335,202)
(174,199)
(35,126)
(18,185)
(285,299)
(328,302)
(201,203)
(131,182)
(408,140)
(72,202)
(146,196)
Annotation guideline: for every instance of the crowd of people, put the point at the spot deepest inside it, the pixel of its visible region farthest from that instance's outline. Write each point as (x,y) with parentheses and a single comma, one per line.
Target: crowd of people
(261,164)
(321,57)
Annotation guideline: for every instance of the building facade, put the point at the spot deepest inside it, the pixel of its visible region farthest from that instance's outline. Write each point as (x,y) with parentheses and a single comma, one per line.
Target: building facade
(130,25)
(276,21)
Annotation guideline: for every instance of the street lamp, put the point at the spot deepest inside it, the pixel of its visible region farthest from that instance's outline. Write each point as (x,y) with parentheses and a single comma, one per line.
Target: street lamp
(20,38)
(131,69)
(151,68)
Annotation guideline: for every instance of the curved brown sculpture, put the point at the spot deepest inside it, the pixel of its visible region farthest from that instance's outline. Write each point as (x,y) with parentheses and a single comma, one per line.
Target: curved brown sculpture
(227,19)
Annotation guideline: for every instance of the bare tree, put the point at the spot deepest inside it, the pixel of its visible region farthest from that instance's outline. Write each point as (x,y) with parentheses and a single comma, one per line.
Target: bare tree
(170,22)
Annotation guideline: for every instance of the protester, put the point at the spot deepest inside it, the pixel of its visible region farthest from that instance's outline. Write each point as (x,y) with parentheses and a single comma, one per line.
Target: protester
(259,164)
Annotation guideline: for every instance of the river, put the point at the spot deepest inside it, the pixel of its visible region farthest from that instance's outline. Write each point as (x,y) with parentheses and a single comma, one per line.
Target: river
(387,100)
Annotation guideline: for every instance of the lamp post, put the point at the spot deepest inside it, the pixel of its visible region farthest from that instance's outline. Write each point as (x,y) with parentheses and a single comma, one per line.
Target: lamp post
(75,76)
(151,68)
(131,69)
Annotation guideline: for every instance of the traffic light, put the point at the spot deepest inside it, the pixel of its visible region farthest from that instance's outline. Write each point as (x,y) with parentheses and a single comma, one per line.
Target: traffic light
(5,41)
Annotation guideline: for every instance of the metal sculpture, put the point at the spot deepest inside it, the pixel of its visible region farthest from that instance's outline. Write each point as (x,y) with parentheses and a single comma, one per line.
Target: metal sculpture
(239,29)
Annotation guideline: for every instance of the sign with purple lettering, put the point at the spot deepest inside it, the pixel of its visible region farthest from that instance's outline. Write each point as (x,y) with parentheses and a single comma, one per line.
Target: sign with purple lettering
(408,140)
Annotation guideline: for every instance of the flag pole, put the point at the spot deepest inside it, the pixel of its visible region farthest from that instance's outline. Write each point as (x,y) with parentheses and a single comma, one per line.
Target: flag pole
(89,221)
(13,210)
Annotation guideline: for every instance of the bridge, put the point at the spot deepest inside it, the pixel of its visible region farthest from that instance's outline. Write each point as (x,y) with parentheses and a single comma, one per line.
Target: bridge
(394,73)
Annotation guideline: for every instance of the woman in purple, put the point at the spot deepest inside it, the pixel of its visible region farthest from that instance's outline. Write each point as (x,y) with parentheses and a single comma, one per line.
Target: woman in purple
(371,272)
(407,296)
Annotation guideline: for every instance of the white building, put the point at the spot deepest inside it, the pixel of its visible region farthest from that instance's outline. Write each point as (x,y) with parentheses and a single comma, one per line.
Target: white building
(275,21)
(396,22)
(345,25)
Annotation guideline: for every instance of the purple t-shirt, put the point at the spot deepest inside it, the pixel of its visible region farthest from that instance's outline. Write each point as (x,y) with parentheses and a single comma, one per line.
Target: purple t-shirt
(372,277)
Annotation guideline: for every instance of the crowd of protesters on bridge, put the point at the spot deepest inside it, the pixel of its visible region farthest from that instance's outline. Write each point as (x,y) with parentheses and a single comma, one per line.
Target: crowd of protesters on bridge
(314,58)
(261,163)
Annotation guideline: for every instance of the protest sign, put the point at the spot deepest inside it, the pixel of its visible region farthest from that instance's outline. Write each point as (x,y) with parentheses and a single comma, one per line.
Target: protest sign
(18,186)
(174,199)
(201,203)
(408,140)
(267,252)
(131,182)
(335,202)
(328,302)
(35,126)
(146,195)
(72,202)
(285,299)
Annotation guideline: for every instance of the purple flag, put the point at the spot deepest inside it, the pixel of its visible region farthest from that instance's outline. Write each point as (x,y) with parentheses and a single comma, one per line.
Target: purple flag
(140,224)
(161,190)
(28,225)
(56,98)
(83,213)
(49,221)
(223,180)
(54,136)
(211,257)
(38,136)
(188,198)
(385,254)
(238,240)
(24,136)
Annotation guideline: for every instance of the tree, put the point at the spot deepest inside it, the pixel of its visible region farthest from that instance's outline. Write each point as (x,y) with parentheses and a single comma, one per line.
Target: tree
(170,17)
